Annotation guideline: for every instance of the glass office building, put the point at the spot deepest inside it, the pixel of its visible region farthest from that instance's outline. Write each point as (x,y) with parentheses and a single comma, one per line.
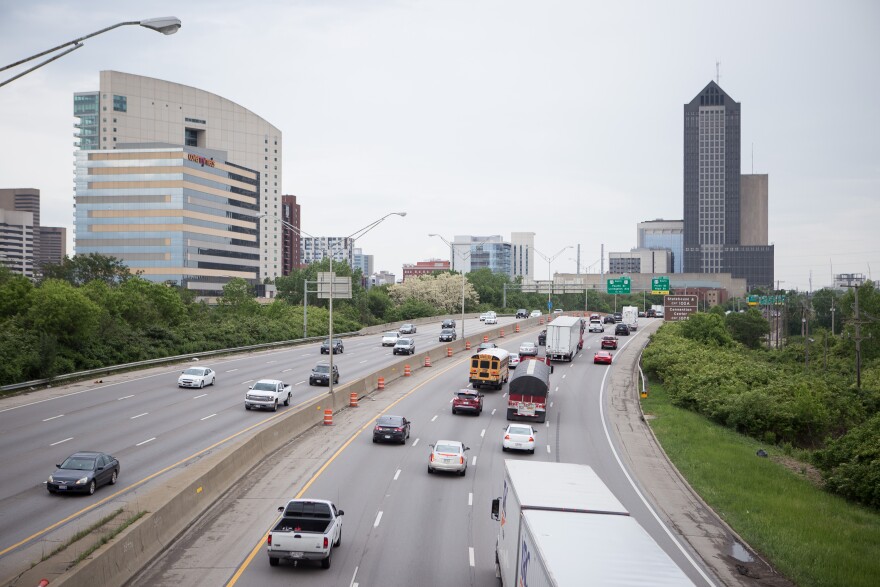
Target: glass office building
(184,216)
(664,234)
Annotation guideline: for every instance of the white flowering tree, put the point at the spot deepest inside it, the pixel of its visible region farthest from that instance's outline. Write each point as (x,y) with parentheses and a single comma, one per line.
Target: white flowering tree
(441,291)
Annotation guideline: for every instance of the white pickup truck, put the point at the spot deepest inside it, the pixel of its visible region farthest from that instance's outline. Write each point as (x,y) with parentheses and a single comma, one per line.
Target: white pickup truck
(267,394)
(309,529)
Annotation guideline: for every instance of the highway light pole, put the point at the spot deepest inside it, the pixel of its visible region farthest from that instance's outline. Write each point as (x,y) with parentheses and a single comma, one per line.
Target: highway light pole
(549,276)
(167,25)
(352,237)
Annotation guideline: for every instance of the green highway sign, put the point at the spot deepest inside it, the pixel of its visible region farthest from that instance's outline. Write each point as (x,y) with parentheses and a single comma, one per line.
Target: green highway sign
(770,300)
(752,300)
(660,285)
(620,285)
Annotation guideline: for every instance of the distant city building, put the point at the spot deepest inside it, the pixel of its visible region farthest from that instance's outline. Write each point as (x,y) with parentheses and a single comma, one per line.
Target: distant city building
(522,255)
(425,268)
(53,245)
(382,278)
(481,252)
(754,216)
(291,244)
(363,262)
(132,111)
(25,200)
(17,241)
(664,234)
(641,261)
(176,214)
(320,247)
(713,215)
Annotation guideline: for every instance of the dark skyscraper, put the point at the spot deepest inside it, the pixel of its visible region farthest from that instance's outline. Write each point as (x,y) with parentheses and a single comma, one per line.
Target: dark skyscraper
(712,229)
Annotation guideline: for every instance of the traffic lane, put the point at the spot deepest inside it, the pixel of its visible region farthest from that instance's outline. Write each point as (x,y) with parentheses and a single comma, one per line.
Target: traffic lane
(376,497)
(580,424)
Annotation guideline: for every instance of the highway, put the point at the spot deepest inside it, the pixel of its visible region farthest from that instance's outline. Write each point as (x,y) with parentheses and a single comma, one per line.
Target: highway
(150,425)
(403,526)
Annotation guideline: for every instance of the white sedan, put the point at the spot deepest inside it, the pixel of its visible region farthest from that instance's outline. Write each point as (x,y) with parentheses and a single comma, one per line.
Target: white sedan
(448,455)
(196,377)
(518,437)
(513,360)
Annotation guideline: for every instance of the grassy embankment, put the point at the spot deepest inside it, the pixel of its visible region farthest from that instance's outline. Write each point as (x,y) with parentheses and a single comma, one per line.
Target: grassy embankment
(809,535)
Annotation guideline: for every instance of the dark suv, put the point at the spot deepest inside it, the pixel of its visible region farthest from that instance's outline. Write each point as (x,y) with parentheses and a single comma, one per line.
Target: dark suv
(522,313)
(449,323)
(447,335)
(621,329)
(321,374)
(337,347)
(392,429)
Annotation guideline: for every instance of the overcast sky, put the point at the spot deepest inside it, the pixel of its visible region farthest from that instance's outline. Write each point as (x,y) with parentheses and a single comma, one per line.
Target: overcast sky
(562,118)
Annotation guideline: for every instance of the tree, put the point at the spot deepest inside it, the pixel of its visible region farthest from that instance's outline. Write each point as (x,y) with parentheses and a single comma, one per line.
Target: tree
(747,328)
(15,291)
(82,269)
(238,296)
(442,292)
(706,328)
(60,310)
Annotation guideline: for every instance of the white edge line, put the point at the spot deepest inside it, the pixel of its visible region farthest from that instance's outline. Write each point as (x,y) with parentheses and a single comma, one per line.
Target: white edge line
(353,575)
(636,489)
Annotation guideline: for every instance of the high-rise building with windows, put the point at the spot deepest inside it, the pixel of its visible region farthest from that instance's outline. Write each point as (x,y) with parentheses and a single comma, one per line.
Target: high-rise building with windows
(17,241)
(179,215)
(291,244)
(663,234)
(320,247)
(712,197)
(135,112)
(481,252)
(522,255)
(53,245)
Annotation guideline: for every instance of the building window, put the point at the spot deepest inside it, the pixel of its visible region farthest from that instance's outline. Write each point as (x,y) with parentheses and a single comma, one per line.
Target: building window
(120,103)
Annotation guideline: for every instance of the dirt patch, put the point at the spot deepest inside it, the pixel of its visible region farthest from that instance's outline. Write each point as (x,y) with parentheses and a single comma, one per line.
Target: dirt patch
(800,468)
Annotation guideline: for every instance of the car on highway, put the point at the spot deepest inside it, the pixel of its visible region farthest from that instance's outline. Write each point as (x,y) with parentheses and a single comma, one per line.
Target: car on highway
(651,313)
(518,437)
(390,338)
(448,323)
(621,330)
(321,374)
(491,318)
(608,319)
(609,342)
(447,335)
(338,347)
(595,318)
(535,314)
(618,317)
(486,345)
(404,346)
(596,327)
(483,316)
(602,357)
(391,429)
(558,311)
(522,313)
(267,394)
(467,400)
(513,361)
(448,456)
(528,349)
(542,337)
(197,377)
(408,329)
(83,472)
(642,314)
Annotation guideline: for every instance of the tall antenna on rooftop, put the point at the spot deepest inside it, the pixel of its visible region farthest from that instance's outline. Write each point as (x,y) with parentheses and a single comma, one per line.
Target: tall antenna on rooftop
(718,72)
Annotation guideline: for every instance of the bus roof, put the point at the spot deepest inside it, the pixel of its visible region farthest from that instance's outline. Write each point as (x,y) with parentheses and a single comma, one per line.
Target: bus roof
(497,353)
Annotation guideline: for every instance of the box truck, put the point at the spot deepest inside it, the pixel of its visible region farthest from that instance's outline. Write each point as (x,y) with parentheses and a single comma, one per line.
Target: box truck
(630,316)
(565,337)
(561,526)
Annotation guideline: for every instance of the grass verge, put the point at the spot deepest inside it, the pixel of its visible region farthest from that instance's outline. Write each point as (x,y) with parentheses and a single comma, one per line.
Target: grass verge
(82,534)
(809,535)
(108,537)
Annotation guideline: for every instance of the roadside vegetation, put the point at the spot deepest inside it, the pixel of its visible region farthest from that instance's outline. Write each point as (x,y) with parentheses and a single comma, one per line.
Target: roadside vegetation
(90,311)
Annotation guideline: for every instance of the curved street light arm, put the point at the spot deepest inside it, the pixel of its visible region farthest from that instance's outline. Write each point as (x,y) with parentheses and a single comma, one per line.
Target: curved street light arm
(166,25)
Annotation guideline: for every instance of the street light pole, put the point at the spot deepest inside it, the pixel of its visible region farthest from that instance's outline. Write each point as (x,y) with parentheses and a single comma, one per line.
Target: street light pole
(353,237)
(549,277)
(167,25)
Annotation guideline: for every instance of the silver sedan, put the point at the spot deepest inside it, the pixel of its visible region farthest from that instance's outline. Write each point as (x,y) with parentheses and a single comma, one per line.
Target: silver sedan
(448,455)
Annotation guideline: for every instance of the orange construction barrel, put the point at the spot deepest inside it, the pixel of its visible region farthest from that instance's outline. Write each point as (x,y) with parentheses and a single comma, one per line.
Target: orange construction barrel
(501,335)
(467,345)
(353,400)
(407,371)
(517,328)
(381,383)
(448,351)
(427,360)
(328,417)
(485,339)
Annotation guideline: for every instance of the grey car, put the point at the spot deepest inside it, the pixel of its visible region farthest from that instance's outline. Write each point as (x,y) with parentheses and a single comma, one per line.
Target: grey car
(448,455)
(404,346)
(408,329)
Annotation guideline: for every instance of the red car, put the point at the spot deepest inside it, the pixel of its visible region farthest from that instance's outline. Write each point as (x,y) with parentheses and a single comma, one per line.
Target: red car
(602,357)
(609,342)
(467,400)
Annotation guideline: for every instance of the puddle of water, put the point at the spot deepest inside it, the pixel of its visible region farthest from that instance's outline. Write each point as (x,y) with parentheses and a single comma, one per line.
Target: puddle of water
(740,553)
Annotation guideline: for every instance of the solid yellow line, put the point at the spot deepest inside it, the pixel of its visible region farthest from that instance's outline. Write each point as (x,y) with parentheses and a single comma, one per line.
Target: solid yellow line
(256,549)
(144,480)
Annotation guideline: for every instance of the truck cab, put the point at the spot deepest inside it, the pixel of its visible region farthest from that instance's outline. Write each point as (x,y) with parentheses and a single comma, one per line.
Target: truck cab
(308,530)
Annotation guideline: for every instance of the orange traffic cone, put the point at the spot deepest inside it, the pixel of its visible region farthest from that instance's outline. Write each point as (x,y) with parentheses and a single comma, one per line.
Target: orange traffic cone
(407,371)
(427,360)
(381,383)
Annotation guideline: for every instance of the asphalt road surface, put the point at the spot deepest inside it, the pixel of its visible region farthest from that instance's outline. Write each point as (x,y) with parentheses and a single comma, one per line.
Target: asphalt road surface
(403,526)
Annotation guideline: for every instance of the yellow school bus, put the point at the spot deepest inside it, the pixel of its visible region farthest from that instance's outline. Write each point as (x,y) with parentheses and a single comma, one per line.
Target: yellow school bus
(489,368)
